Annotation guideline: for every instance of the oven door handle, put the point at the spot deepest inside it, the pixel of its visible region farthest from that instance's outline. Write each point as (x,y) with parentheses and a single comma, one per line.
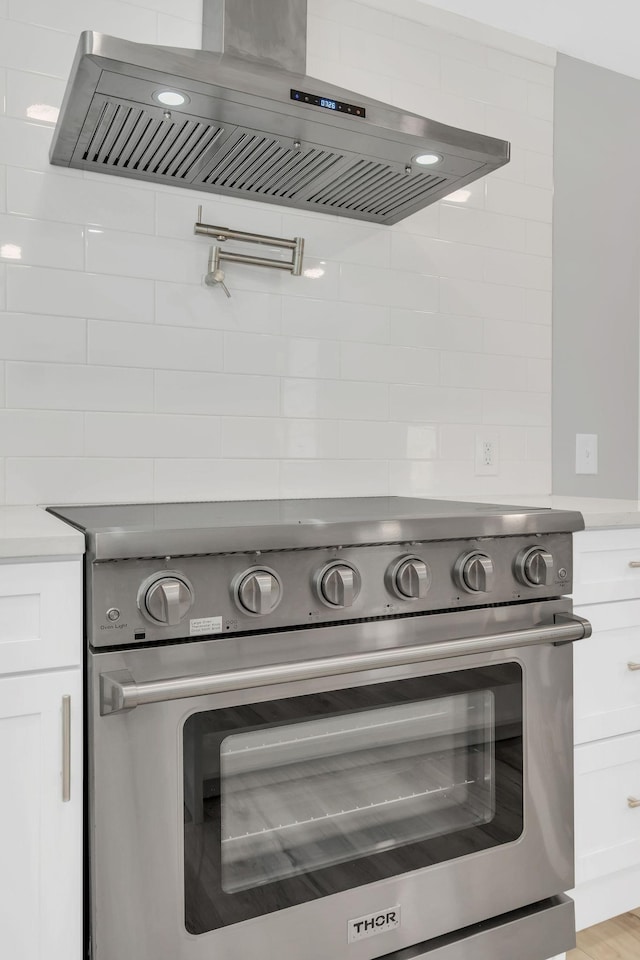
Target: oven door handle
(119,691)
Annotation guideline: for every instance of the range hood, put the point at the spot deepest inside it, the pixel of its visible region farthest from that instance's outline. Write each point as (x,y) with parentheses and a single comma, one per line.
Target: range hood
(241,118)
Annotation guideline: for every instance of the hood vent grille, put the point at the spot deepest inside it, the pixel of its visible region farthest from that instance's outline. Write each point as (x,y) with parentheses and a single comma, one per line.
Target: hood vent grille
(374,189)
(261,164)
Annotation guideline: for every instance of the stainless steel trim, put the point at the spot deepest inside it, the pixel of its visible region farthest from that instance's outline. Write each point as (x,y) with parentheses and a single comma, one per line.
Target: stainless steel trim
(540,930)
(120,691)
(633,802)
(66,748)
(633,666)
(634,564)
(225,233)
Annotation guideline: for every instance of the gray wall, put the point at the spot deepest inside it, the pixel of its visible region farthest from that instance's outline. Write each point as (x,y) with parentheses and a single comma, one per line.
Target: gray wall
(596,279)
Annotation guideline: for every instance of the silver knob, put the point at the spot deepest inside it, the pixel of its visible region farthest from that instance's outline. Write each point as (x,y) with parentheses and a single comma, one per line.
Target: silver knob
(338,585)
(258,592)
(412,579)
(534,567)
(474,573)
(166,600)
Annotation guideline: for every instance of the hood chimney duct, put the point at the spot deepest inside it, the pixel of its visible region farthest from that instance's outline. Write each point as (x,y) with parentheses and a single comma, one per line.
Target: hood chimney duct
(273,32)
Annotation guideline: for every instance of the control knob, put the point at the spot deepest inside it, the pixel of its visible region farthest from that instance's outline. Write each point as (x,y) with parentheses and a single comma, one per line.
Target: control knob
(258,591)
(409,578)
(338,584)
(474,573)
(165,599)
(534,567)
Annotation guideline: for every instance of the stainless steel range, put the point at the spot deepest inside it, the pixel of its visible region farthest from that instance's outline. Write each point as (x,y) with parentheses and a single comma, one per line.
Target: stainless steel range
(327,729)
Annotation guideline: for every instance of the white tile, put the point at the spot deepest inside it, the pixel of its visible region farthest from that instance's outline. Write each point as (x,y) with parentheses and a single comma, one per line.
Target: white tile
(477,371)
(189,9)
(3,286)
(126,20)
(539,238)
(323,40)
(254,353)
(457,442)
(24,46)
(517,339)
(216,479)
(408,402)
(519,200)
(39,243)
(319,279)
(353,14)
(520,67)
(189,305)
(311,358)
(388,364)
(425,222)
(2,384)
(540,100)
(346,241)
(538,306)
(30,337)
(329,399)
(517,269)
(41,433)
(133,255)
(397,288)
(512,443)
(538,444)
(261,437)
(78,480)
(176,32)
(436,105)
(337,478)
(216,393)
(468,298)
(407,63)
(515,169)
(3,91)
(539,376)
(76,294)
(151,435)
(75,200)
(65,387)
(366,440)
(521,128)
(478,83)
(154,346)
(438,258)
(463,224)
(516,408)
(430,478)
(33,96)
(539,170)
(431,40)
(24,144)
(434,330)
(471,195)
(3,189)
(367,82)
(335,321)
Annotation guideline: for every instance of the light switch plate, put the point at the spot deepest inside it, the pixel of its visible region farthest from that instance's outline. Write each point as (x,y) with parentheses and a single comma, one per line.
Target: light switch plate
(586,453)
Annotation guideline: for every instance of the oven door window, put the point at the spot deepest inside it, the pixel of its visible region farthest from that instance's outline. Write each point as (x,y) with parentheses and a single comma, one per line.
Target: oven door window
(294,799)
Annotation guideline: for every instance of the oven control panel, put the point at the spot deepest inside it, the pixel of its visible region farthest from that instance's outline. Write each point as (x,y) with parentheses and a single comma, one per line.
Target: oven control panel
(161,599)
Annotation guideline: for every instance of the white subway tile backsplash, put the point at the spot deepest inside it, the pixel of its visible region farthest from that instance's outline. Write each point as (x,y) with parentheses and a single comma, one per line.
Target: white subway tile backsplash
(182,479)
(57,386)
(216,393)
(55,339)
(127,378)
(78,479)
(154,435)
(76,294)
(153,345)
(41,433)
(74,200)
(40,243)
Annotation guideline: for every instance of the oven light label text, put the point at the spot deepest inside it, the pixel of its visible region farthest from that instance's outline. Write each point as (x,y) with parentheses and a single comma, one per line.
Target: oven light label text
(373,923)
(205,625)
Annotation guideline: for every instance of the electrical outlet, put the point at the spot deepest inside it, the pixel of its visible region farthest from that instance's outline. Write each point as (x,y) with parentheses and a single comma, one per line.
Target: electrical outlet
(487,455)
(586,453)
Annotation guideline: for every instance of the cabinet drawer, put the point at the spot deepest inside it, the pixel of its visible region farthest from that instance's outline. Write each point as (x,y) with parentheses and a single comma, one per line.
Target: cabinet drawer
(606,690)
(607,828)
(602,565)
(40,615)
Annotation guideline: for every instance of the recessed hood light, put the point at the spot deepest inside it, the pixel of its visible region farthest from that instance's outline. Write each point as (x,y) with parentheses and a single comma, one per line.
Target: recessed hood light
(170,98)
(428,159)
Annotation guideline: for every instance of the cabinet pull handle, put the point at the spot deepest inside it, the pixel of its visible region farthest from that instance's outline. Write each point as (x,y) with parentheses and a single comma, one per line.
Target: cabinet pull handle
(66,749)
(633,666)
(633,801)
(634,564)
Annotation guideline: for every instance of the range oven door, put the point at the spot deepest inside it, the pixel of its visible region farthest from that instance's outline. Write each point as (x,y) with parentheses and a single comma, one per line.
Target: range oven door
(346,815)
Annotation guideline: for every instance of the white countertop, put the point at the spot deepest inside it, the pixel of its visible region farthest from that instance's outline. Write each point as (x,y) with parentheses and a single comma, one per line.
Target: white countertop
(598,513)
(32,532)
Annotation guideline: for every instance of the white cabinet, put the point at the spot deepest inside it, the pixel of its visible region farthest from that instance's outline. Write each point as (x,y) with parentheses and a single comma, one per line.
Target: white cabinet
(607,724)
(40,761)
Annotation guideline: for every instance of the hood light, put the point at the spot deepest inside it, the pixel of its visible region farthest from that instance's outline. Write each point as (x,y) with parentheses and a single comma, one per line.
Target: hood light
(170,98)
(427,159)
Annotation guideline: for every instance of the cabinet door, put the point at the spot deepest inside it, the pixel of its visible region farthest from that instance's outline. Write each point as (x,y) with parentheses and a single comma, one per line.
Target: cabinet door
(40,832)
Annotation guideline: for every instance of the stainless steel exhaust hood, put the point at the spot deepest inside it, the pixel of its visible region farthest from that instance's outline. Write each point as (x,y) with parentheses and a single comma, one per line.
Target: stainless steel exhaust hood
(241,119)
